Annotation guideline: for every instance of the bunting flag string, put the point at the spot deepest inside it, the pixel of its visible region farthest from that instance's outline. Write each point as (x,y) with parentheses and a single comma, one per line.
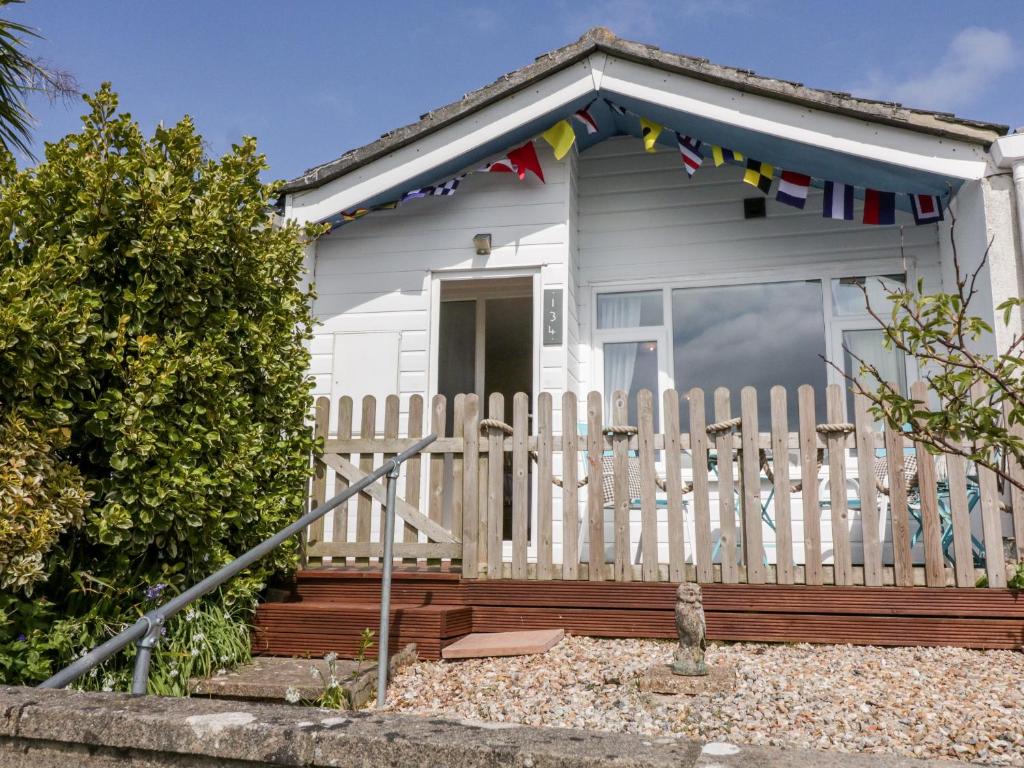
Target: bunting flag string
(792,188)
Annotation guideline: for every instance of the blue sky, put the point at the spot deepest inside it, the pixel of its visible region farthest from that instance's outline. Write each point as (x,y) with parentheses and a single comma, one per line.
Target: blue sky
(311,79)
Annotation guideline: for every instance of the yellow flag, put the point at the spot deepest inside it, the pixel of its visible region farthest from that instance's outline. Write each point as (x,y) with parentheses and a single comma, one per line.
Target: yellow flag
(561,137)
(649,131)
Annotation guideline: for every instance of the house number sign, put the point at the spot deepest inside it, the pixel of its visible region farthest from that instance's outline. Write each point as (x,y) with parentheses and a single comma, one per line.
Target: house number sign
(552,321)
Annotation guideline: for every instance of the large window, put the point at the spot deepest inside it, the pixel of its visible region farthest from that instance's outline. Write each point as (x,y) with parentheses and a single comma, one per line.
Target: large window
(750,335)
(734,336)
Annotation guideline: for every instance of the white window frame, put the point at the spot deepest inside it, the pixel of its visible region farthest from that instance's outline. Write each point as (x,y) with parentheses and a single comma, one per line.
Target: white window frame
(660,334)
(834,325)
(862,321)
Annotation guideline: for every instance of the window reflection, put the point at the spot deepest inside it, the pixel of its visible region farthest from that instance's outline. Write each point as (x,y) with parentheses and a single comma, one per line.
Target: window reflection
(750,335)
(630,366)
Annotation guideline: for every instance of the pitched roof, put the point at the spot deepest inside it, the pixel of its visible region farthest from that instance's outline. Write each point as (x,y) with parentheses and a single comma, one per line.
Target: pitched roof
(599,39)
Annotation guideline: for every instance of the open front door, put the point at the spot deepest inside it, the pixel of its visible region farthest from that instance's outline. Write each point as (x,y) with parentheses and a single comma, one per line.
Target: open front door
(485,345)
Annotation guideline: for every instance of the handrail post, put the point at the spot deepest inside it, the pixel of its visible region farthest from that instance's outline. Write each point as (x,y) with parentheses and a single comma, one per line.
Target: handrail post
(144,653)
(385,585)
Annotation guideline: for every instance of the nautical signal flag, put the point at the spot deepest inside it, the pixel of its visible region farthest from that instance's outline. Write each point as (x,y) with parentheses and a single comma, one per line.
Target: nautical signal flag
(879,207)
(759,175)
(689,150)
(525,159)
(838,201)
(442,190)
(501,165)
(584,116)
(723,155)
(927,209)
(793,188)
(649,132)
(561,137)
(616,108)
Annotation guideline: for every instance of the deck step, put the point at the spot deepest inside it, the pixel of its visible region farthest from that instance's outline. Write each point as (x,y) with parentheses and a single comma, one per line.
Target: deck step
(311,628)
(479,645)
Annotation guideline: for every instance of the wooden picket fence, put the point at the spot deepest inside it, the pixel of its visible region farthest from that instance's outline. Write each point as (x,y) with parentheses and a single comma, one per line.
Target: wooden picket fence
(704,501)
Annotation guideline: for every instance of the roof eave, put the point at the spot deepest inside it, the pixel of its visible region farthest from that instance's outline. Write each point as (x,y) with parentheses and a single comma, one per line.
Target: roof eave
(938,124)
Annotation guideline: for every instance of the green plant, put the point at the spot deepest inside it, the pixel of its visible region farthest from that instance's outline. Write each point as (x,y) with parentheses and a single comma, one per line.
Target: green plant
(365,642)
(333,695)
(1016,581)
(152,340)
(41,496)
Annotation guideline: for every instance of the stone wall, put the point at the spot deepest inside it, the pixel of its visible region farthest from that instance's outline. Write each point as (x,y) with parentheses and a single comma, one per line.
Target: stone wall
(66,729)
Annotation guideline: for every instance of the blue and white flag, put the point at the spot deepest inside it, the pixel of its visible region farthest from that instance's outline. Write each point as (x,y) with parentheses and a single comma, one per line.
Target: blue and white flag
(838,201)
(447,188)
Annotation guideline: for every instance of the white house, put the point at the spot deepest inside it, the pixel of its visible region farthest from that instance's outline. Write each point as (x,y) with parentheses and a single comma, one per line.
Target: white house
(619,270)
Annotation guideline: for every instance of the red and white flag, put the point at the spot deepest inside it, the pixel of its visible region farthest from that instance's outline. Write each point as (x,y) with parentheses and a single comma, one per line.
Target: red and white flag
(501,165)
(584,116)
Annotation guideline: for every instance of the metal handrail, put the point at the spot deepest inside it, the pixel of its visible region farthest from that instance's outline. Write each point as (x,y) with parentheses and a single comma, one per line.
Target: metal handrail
(146,631)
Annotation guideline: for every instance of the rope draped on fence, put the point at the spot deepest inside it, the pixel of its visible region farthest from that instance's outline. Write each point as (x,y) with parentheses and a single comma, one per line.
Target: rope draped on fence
(714,429)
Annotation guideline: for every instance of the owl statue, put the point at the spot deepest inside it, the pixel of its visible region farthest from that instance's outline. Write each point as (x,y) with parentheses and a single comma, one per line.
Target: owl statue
(692,630)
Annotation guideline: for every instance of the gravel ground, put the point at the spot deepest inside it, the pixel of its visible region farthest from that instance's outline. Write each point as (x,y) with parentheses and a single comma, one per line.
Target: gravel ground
(924,702)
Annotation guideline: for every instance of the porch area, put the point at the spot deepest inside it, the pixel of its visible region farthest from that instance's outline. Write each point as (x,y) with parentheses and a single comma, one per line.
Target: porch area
(835,532)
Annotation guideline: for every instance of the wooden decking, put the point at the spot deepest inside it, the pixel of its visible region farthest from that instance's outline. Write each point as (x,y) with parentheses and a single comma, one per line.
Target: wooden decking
(329,609)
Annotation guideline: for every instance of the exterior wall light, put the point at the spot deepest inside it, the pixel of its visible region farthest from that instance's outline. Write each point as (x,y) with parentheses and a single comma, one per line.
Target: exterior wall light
(482,243)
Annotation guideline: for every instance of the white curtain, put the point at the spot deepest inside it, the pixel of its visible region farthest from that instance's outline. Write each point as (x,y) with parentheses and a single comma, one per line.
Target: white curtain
(869,346)
(619,363)
(619,310)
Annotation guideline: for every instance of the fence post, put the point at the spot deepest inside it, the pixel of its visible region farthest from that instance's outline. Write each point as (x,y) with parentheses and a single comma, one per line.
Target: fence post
(340,514)
(726,488)
(809,468)
(780,473)
(648,489)
(470,487)
(318,488)
(753,535)
(544,486)
(868,498)
(495,487)
(701,498)
(570,490)
(674,488)
(620,484)
(595,486)
(520,482)
(836,444)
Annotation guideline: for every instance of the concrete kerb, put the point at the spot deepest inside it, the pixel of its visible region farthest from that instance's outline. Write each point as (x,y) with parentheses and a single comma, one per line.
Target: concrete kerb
(45,728)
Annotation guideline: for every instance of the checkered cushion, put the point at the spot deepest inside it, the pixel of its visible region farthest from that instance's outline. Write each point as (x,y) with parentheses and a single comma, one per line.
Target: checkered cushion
(608,479)
(909,470)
